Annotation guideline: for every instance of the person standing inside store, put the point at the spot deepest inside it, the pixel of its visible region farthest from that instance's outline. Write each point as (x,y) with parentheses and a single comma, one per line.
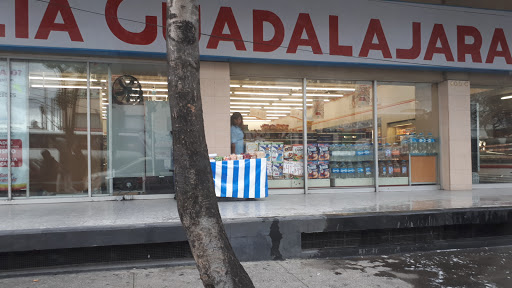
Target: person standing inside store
(237,133)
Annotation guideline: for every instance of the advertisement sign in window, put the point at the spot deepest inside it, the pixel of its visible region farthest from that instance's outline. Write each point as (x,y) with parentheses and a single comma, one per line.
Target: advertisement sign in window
(19,127)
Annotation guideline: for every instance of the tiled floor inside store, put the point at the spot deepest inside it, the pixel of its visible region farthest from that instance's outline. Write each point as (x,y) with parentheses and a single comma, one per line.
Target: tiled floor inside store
(118,213)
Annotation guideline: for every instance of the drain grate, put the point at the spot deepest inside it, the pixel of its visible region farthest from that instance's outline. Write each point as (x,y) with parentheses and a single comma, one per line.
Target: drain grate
(93,255)
(400,236)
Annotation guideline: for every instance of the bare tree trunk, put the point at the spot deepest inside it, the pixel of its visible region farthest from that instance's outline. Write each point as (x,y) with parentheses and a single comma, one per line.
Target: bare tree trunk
(197,203)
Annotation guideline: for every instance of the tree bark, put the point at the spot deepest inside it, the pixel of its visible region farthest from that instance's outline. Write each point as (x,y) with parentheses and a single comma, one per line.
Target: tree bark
(195,194)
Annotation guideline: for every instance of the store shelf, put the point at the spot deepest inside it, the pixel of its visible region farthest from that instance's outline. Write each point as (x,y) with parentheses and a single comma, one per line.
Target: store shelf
(393,181)
(286,183)
(352,182)
(319,183)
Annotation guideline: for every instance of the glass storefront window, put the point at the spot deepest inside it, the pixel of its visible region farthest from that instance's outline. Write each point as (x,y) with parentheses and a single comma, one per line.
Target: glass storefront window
(273,124)
(57,126)
(491,134)
(99,126)
(408,134)
(138,138)
(4,70)
(340,134)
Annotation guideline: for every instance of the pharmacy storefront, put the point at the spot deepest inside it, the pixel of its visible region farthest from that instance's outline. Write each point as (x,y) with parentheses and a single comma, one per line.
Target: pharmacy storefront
(339,95)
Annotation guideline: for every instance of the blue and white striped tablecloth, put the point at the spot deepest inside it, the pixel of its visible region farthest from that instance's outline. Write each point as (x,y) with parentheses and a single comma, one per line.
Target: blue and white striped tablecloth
(240,178)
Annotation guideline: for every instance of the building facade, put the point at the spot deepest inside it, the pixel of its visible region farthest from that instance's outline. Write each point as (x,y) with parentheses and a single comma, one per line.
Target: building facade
(342,95)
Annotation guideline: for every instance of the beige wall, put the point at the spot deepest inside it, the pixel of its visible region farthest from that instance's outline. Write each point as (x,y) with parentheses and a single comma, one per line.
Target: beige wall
(455,130)
(215,96)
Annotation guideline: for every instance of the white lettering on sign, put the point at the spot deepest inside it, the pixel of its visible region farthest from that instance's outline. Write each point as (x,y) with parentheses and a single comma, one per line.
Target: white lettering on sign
(333,31)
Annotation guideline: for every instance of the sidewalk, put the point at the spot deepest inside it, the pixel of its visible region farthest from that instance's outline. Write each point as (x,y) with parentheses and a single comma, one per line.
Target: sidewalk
(280,226)
(140,212)
(483,267)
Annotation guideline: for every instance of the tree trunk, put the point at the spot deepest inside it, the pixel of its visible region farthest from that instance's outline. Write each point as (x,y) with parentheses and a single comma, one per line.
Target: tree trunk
(197,203)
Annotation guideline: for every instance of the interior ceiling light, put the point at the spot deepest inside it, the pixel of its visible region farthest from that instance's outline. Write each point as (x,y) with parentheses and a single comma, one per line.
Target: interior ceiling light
(295,87)
(59,79)
(234,86)
(287,104)
(152,82)
(330,89)
(272,87)
(281,108)
(277,114)
(296,100)
(249,103)
(251,98)
(506,97)
(63,87)
(320,95)
(272,117)
(240,111)
(260,93)
(243,107)
(250,120)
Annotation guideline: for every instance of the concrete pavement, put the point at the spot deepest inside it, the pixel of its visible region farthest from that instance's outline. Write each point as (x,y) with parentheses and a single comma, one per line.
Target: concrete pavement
(483,267)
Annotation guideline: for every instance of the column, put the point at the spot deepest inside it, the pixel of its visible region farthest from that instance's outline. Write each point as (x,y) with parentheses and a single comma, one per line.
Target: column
(455,135)
(215,77)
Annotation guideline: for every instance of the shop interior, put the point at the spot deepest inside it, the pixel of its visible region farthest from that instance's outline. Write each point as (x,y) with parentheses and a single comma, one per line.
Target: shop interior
(340,127)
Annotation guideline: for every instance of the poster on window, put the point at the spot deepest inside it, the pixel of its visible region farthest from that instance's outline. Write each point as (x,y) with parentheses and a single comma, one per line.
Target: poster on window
(318,109)
(362,96)
(19,127)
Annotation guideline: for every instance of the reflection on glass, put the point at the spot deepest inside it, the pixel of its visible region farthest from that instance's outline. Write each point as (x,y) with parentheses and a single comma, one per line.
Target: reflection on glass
(491,134)
(3,129)
(340,125)
(57,105)
(408,134)
(139,137)
(273,124)
(99,127)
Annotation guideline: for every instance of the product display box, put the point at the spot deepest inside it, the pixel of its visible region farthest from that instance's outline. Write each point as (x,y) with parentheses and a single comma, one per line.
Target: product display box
(298,152)
(288,152)
(313,171)
(277,151)
(323,152)
(293,169)
(312,152)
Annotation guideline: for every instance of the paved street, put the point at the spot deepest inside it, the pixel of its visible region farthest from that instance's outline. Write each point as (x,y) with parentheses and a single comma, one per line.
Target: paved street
(485,267)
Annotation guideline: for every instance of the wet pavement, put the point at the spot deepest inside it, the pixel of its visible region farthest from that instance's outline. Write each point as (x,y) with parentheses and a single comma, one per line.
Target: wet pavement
(483,267)
(108,214)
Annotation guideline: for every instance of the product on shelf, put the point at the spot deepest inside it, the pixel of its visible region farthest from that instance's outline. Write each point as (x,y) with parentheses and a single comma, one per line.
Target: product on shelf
(298,152)
(269,170)
(277,171)
(277,152)
(323,170)
(251,147)
(404,168)
(293,169)
(312,152)
(323,152)
(288,152)
(265,147)
(313,170)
